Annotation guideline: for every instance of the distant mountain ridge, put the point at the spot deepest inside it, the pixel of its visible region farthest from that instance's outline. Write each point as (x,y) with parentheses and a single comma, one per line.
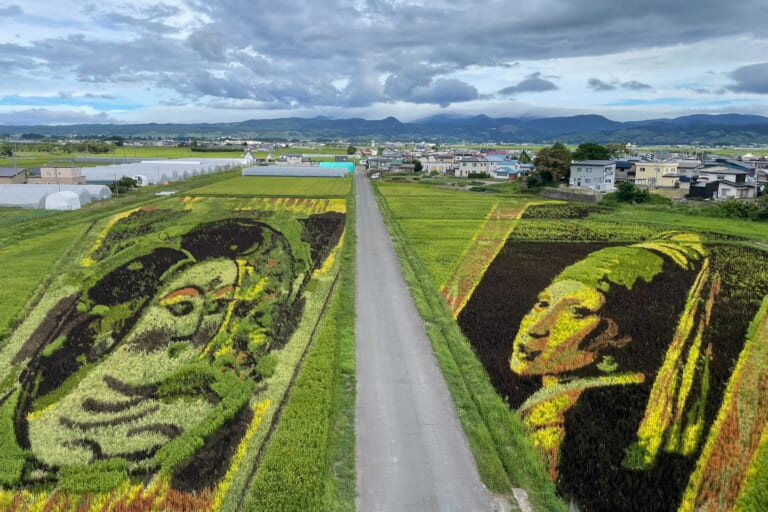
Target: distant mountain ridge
(703,129)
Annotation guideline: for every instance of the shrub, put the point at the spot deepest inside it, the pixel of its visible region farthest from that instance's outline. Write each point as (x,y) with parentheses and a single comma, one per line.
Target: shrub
(627,192)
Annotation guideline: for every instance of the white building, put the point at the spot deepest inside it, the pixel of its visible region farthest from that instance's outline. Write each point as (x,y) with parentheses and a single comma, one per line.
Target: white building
(598,175)
(471,165)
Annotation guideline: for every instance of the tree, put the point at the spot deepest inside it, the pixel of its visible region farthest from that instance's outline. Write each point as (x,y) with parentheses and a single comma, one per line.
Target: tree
(351,150)
(627,192)
(552,164)
(591,151)
(616,149)
(123,185)
(417,167)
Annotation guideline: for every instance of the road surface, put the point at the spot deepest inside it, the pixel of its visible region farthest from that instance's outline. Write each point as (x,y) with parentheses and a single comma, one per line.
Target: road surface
(412,454)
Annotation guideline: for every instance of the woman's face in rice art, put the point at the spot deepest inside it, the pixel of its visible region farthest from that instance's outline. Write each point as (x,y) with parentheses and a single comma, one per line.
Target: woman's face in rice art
(549,338)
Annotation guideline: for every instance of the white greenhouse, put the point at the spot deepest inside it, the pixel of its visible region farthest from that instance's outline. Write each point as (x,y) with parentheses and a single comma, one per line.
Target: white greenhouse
(64,200)
(34,196)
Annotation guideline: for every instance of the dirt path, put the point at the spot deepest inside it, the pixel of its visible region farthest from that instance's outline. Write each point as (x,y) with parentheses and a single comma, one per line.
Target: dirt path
(412,454)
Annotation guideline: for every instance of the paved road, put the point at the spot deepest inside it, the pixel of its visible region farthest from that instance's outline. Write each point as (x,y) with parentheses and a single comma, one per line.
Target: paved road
(412,454)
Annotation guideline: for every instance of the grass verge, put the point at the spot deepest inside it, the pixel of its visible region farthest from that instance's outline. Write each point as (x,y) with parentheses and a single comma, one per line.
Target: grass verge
(504,455)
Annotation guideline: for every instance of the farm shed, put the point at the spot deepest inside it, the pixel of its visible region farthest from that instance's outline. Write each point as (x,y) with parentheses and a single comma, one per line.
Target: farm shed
(64,200)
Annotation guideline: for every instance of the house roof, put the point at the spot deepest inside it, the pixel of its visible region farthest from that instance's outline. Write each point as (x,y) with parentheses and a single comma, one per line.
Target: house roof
(688,164)
(623,164)
(10,172)
(593,162)
(734,185)
(721,170)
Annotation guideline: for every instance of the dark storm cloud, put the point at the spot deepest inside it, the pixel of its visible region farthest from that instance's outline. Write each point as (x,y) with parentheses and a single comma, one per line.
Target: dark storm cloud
(753,78)
(531,83)
(292,52)
(598,85)
(443,92)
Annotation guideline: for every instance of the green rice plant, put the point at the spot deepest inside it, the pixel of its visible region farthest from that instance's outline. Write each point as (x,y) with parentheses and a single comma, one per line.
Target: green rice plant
(53,346)
(26,263)
(291,474)
(100,476)
(266,365)
(271,186)
(12,456)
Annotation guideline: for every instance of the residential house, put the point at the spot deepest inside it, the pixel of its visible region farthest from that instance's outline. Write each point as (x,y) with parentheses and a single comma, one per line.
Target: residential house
(722,183)
(290,158)
(650,174)
(625,170)
(503,171)
(598,175)
(441,168)
(689,167)
(9,175)
(59,176)
(471,165)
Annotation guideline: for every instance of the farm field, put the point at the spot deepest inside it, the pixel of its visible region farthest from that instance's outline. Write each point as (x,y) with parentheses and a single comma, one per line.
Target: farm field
(277,186)
(27,158)
(149,370)
(632,350)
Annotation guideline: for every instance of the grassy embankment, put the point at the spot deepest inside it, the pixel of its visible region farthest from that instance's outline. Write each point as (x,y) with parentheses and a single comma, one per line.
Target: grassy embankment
(504,455)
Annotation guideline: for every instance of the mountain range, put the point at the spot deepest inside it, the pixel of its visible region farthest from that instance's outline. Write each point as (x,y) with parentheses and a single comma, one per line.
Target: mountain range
(701,129)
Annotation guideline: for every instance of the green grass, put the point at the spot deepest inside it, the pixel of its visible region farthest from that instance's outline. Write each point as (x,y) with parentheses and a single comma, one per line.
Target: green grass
(272,186)
(505,457)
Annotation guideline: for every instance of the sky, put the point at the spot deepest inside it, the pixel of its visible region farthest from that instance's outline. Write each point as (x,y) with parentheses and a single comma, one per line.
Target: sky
(194,61)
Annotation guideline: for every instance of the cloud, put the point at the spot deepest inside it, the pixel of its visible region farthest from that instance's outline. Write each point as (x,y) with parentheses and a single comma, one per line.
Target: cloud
(11,10)
(313,54)
(598,85)
(635,85)
(42,116)
(531,83)
(443,92)
(752,78)
(705,90)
